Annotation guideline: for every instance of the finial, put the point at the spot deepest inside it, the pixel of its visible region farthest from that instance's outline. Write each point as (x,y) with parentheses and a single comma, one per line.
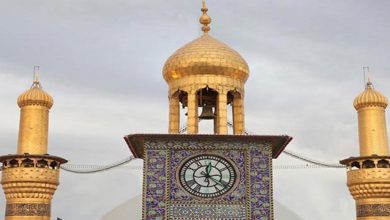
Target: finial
(205,19)
(36,82)
(366,71)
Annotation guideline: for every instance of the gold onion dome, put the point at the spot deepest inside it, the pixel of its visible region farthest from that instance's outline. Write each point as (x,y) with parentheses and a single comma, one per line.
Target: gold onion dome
(35,96)
(370,98)
(205,55)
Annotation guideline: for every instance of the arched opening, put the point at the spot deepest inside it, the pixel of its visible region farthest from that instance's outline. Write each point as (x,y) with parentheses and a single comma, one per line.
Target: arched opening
(383,164)
(207,110)
(42,163)
(13,163)
(53,165)
(27,163)
(355,165)
(229,112)
(368,164)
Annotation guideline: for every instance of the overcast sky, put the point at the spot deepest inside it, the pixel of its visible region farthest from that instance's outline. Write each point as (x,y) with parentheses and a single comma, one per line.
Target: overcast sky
(101,61)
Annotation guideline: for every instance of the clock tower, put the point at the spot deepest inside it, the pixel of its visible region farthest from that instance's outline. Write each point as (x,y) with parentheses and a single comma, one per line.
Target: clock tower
(219,176)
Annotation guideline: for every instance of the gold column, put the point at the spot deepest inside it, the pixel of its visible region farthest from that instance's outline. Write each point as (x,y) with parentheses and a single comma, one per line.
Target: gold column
(174,114)
(238,115)
(192,115)
(222,113)
(33,129)
(372,131)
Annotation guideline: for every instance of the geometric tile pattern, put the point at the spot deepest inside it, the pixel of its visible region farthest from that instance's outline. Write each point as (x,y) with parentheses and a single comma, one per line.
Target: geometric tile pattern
(198,211)
(164,198)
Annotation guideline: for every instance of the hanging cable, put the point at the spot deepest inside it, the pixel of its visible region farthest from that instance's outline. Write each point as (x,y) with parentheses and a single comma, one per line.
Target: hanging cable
(302,158)
(88,169)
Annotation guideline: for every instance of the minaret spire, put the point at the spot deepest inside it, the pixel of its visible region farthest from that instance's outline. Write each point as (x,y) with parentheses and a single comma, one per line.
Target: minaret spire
(205,19)
(36,76)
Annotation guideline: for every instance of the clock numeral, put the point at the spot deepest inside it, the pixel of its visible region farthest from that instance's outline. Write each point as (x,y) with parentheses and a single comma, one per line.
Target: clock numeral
(198,163)
(224,183)
(190,183)
(197,188)
(223,169)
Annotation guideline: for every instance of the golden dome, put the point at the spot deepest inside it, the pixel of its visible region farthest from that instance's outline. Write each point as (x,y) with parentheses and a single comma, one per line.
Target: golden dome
(35,96)
(370,97)
(205,55)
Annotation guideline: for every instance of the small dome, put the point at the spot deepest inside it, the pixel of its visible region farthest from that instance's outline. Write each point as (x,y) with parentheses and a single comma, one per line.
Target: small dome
(370,97)
(205,55)
(35,96)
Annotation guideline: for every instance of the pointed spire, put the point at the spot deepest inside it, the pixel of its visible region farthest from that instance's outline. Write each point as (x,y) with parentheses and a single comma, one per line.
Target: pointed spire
(367,76)
(36,82)
(205,19)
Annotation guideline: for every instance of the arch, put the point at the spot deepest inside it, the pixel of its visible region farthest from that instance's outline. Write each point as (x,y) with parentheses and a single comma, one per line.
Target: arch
(368,164)
(27,163)
(42,163)
(383,164)
(207,98)
(13,163)
(54,165)
(355,165)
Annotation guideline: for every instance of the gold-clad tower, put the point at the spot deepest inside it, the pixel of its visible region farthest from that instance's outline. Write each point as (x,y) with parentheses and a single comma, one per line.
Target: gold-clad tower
(210,75)
(368,176)
(30,177)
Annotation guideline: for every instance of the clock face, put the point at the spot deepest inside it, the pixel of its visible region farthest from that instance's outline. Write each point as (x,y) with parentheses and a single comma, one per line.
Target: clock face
(207,175)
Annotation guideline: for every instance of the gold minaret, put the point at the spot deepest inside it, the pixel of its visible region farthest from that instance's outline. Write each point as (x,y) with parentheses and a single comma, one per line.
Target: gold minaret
(30,177)
(368,176)
(209,75)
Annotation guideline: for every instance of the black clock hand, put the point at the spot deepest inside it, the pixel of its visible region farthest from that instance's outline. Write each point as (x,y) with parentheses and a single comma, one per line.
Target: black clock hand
(217,181)
(208,168)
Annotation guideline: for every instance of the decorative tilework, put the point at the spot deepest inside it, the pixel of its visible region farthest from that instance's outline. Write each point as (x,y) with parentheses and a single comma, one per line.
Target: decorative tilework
(164,198)
(261,183)
(27,209)
(155,184)
(373,210)
(201,211)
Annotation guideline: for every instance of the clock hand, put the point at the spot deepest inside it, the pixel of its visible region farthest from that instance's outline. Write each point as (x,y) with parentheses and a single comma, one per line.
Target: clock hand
(217,181)
(208,168)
